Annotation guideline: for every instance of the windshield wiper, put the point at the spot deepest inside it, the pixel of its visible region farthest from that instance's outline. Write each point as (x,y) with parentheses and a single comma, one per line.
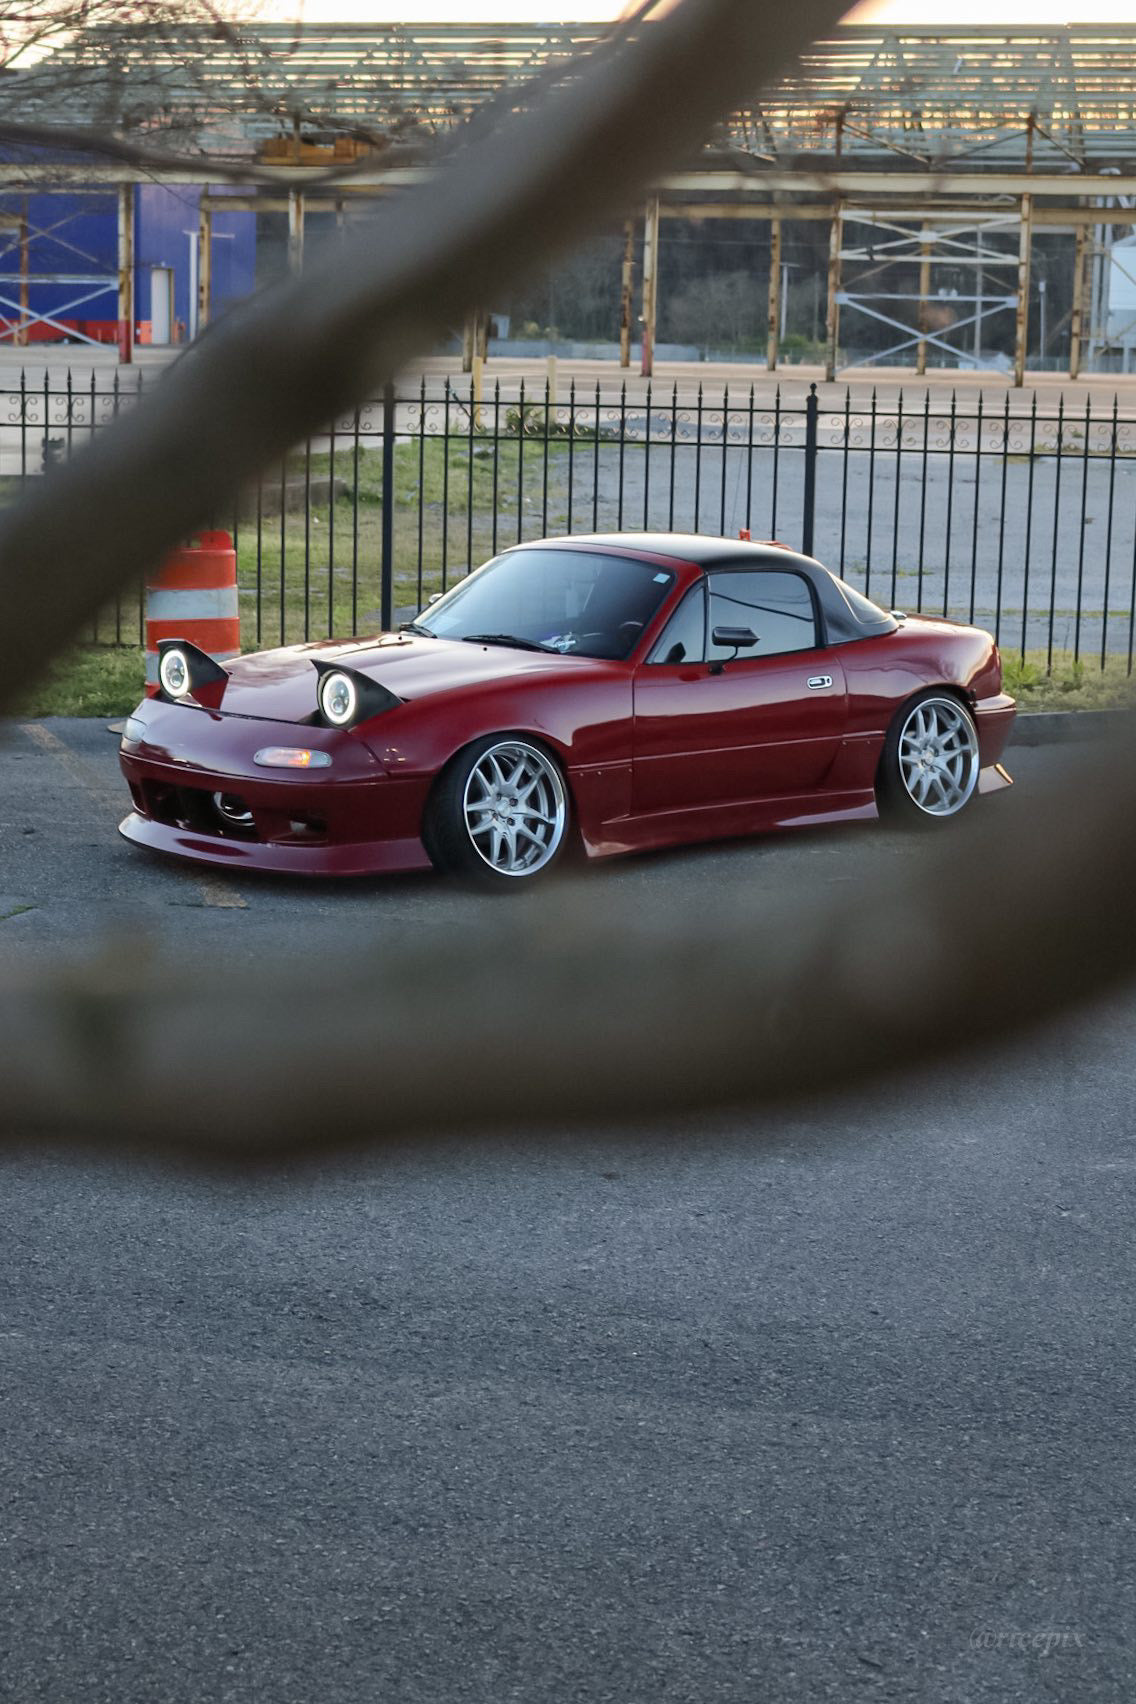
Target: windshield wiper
(417,627)
(504,639)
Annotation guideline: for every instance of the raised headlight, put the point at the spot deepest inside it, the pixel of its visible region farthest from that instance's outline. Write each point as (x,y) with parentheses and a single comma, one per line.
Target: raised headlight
(173,672)
(338,698)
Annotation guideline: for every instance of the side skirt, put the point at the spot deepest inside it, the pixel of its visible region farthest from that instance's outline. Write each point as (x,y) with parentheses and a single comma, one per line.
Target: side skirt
(729,821)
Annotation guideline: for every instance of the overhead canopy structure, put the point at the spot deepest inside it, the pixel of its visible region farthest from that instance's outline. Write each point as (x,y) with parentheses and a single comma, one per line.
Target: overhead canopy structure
(903,140)
(1053,98)
(1062,98)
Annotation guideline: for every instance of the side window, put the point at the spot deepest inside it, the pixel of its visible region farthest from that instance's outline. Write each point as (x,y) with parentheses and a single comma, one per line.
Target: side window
(683,638)
(777,606)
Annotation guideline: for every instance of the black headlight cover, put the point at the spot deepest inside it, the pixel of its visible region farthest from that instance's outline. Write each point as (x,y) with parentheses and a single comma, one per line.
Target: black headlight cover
(203,671)
(371,698)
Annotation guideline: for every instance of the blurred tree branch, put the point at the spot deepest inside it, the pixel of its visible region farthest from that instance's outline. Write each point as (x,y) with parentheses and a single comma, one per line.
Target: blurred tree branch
(1005,923)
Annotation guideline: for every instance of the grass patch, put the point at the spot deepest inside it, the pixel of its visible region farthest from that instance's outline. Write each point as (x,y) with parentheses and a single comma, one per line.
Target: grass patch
(1079,684)
(92,680)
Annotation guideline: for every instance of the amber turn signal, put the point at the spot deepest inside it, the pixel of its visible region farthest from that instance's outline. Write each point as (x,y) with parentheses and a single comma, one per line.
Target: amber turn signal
(292,757)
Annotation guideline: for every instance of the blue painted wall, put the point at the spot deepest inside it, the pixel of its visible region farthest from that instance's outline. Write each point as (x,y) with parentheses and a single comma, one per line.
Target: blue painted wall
(165,218)
(78,234)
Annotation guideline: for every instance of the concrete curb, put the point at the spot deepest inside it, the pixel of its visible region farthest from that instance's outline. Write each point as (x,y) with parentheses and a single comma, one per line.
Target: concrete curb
(1050,727)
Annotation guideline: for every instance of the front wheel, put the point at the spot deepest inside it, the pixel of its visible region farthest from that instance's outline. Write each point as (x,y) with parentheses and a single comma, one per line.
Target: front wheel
(929,768)
(499,814)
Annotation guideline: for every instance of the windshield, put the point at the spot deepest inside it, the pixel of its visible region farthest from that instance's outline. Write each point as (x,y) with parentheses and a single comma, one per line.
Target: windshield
(578,601)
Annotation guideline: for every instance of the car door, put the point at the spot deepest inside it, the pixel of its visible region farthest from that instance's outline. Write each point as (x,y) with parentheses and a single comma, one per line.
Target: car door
(714,724)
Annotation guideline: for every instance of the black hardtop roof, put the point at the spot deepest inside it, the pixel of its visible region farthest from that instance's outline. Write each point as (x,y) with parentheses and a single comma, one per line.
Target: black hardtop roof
(847,614)
(700,548)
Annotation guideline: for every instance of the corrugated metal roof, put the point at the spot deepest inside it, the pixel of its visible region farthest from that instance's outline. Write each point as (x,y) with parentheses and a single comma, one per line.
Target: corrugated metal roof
(1048,96)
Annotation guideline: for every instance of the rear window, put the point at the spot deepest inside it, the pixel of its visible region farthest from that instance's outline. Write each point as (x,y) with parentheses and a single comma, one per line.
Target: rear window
(865,611)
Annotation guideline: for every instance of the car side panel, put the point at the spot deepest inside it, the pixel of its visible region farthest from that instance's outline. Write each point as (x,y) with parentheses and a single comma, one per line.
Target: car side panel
(585,718)
(885,671)
(754,729)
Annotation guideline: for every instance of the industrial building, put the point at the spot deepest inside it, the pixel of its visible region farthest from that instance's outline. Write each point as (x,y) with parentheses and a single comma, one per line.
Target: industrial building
(925,154)
(59,272)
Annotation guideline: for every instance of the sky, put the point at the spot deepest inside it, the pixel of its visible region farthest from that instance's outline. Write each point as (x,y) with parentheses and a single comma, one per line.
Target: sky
(522,11)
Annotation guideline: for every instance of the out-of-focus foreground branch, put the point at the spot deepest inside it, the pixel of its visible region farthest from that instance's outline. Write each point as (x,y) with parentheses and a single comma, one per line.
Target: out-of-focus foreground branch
(586,1016)
(562,1009)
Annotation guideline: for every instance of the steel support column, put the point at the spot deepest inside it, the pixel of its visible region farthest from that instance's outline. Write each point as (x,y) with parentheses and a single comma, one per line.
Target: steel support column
(1021,317)
(295,230)
(924,292)
(25,275)
(773,336)
(126,272)
(627,293)
(1076,323)
(475,339)
(204,267)
(650,284)
(832,316)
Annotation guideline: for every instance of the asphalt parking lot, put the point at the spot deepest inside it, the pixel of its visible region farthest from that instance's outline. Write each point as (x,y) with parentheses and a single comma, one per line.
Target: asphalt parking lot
(67,879)
(827,1406)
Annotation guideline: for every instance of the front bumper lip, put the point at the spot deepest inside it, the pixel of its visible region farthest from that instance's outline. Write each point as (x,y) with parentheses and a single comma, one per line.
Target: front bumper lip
(351,818)
(334,858)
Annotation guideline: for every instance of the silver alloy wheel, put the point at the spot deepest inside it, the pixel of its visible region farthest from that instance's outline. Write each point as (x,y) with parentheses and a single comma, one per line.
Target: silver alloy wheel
(515,808)
(938,756)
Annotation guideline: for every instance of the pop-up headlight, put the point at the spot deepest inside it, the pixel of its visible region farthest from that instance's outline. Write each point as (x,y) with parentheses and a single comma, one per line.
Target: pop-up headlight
(346,696)
(184,669)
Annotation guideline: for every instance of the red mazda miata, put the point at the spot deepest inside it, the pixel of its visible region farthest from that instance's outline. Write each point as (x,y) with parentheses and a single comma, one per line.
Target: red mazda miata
(625,691)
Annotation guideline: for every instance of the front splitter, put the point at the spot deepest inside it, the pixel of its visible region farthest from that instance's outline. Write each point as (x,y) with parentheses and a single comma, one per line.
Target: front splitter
(359,858)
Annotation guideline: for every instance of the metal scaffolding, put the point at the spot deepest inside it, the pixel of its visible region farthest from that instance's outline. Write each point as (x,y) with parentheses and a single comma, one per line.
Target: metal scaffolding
(921,149)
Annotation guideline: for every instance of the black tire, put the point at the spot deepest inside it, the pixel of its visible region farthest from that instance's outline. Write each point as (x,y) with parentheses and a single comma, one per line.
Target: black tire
(928,772)
(519,835)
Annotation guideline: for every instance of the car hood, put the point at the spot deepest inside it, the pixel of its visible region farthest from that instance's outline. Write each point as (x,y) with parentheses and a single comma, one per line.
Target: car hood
(281,685)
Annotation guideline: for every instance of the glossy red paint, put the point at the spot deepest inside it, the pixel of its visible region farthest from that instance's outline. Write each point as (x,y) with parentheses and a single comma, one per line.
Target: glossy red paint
(654,754)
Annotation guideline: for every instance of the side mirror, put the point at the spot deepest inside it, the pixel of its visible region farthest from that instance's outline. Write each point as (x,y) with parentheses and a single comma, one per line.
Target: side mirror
(432,599)
(739,637)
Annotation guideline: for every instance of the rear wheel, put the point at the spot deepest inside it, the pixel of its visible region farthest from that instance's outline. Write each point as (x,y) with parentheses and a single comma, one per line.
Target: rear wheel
(929,768)
(499,814)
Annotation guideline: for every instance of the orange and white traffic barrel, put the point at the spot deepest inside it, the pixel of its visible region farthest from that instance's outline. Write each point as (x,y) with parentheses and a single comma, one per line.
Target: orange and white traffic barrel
(193,595)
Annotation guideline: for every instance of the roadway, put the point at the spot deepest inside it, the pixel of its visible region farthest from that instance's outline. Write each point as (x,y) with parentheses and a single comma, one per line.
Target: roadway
(835,1404)
(56,361)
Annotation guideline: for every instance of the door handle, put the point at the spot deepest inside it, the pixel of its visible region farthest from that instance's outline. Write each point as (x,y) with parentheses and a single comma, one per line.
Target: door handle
(819,681)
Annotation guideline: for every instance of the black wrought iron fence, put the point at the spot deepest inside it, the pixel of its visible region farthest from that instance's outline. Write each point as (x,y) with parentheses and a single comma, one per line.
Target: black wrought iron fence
(1017,516)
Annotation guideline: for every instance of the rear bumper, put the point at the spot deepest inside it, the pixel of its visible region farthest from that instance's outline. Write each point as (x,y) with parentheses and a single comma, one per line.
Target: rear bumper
(994,779)
(993,719)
